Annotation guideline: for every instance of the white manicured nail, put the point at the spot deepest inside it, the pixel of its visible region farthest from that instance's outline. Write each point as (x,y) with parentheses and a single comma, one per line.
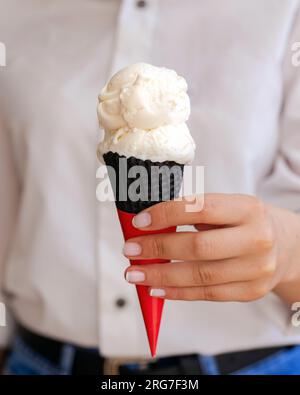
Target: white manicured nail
(132,249)
(142,220)
(157,292)
(134,276)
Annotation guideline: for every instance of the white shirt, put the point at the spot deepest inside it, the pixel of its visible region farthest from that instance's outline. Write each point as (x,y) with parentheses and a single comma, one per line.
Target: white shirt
(61,261)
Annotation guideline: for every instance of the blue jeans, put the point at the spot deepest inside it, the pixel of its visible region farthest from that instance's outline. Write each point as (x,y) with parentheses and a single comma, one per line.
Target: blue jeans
(24,361)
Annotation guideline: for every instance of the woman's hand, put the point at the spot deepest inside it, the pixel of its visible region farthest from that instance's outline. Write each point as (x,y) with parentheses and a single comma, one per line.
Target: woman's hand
(242,250)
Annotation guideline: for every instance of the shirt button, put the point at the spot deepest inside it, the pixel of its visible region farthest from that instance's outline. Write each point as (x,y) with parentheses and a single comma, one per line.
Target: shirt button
(141,3)
(120,302)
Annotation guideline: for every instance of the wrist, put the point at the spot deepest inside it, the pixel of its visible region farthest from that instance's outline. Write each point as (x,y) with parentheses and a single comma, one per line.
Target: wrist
(287,228)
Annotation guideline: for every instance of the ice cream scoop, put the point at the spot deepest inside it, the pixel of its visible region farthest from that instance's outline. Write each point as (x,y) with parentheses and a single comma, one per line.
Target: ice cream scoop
(143,110)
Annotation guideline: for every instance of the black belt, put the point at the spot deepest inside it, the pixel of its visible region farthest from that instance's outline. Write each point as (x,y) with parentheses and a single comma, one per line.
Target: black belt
(88,361)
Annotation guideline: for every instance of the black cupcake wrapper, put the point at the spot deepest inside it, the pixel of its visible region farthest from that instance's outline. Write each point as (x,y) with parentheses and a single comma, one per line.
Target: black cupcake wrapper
(137,188)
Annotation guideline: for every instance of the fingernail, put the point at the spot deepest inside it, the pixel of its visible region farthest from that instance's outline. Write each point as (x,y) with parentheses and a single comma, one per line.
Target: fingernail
(142,220)
(132,249)
(133,276)
(157,292)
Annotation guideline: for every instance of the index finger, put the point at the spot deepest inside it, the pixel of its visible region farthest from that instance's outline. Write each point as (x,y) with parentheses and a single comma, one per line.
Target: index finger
(218,209)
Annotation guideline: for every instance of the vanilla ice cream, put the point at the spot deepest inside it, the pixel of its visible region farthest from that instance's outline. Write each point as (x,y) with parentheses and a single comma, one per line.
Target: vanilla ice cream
(143,110)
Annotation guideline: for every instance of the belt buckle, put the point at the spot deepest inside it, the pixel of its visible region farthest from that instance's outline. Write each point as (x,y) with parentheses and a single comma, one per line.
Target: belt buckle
(112,365)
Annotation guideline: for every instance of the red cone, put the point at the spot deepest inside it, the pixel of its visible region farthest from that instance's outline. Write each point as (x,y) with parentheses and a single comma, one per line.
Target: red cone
(151,307)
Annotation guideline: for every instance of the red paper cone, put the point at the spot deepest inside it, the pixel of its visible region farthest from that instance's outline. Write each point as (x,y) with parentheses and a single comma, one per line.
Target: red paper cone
(151,307)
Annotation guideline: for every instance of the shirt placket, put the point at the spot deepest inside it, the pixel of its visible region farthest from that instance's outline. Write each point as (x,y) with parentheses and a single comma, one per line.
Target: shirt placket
(136,27)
